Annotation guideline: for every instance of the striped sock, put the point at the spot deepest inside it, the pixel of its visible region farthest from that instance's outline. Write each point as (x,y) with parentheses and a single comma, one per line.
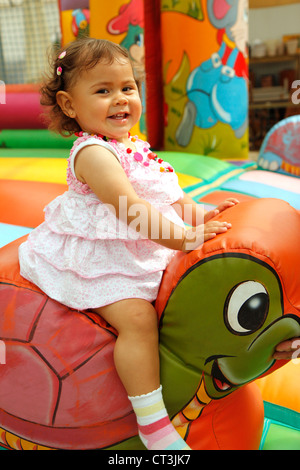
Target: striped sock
(155,428)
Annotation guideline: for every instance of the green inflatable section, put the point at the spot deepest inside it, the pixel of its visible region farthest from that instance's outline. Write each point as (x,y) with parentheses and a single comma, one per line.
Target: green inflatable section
(34,153)
(33,138)
(280,437)
(281,428)
(199,166)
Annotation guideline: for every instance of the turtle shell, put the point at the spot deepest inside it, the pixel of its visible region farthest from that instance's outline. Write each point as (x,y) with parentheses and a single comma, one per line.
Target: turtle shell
(73,398)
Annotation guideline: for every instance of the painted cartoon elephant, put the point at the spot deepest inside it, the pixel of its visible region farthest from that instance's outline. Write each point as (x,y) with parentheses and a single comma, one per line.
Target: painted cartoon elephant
(217,89)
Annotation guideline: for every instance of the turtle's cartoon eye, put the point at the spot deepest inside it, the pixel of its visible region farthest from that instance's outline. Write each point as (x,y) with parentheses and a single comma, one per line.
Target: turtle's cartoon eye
(246,308)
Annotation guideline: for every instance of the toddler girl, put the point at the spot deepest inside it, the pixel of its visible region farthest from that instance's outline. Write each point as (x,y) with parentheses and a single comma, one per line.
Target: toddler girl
(106,241)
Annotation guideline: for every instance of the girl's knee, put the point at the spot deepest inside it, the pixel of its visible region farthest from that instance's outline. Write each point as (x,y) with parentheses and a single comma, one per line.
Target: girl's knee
(143,319)
(135,315)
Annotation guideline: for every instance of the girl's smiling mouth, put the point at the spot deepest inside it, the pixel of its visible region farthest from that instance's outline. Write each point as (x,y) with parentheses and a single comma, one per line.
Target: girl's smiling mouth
(119,116)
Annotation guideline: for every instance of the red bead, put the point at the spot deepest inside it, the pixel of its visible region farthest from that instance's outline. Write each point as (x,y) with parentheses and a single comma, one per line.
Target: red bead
(128,150)
(160,160)
(152,155)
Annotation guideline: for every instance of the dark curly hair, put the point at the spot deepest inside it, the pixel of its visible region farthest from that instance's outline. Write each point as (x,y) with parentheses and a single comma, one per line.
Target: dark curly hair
(80,55)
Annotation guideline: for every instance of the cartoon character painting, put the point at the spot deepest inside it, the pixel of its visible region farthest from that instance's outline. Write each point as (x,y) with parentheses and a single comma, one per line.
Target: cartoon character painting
(75,19)
(202,46)
(191,8)
(217,89)
(80,22)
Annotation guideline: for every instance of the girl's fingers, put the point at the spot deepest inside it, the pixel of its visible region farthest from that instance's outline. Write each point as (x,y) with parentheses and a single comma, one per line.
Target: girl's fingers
(210,215)
(282,356)
(217,226)
(228,203)
(223,206)
(284,346)
(212,230)
(202,233)
(209,236)
(287,349)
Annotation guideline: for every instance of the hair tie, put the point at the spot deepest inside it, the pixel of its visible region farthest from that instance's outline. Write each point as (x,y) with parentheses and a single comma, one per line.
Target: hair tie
(62,54)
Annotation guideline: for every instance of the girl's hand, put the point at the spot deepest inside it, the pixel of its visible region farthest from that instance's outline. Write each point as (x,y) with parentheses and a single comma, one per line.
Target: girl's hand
(221,207)
(289,349)
(198,235)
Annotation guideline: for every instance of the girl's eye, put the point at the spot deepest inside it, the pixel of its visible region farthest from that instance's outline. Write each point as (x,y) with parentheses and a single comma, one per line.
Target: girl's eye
(127,88)
(102,91)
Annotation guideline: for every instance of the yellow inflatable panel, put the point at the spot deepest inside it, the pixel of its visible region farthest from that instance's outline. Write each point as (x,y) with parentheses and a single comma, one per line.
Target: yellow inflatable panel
(53,170)
(187,180)
(282,387)
(47,170)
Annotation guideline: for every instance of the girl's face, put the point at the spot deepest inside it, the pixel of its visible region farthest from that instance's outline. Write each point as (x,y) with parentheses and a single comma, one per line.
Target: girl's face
(105,100)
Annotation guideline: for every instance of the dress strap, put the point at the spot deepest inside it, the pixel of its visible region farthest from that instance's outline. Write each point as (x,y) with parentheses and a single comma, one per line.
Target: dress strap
(91,140)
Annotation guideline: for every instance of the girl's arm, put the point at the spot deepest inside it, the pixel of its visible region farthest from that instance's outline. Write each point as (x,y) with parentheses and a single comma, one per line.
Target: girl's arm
(189,211)
(100,169)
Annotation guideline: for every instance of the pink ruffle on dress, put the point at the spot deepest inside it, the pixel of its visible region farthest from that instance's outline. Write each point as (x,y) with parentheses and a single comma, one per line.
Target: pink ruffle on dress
(82,255)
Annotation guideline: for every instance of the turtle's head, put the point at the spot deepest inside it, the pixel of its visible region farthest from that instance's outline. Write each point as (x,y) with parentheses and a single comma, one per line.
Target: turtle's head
(225,306)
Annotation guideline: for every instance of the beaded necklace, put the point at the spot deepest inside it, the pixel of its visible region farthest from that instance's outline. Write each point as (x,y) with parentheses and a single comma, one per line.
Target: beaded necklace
(138,157)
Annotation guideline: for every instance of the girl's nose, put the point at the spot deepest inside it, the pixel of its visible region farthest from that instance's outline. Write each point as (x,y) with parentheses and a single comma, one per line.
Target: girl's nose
(120,99)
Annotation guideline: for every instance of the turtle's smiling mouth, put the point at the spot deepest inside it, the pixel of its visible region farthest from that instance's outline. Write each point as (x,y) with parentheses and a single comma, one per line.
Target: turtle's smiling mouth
(221,383)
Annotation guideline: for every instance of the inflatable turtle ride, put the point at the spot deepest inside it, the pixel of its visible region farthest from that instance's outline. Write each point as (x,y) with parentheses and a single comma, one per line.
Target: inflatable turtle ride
(222,309)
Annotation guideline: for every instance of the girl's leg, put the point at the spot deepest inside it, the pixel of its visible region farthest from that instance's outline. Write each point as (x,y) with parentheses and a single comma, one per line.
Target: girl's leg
(136,350)
(137,362)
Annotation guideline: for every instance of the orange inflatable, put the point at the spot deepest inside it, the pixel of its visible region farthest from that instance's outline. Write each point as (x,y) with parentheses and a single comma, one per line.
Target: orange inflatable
(223,308)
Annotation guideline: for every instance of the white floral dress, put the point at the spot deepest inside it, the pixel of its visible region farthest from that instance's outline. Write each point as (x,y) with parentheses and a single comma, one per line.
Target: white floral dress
(82,255)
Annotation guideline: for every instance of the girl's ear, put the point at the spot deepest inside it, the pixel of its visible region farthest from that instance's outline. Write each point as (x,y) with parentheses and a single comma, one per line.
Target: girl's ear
(64,101)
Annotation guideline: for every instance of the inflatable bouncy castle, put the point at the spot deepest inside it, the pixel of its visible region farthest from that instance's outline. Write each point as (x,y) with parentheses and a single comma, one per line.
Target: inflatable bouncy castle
(222,308)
